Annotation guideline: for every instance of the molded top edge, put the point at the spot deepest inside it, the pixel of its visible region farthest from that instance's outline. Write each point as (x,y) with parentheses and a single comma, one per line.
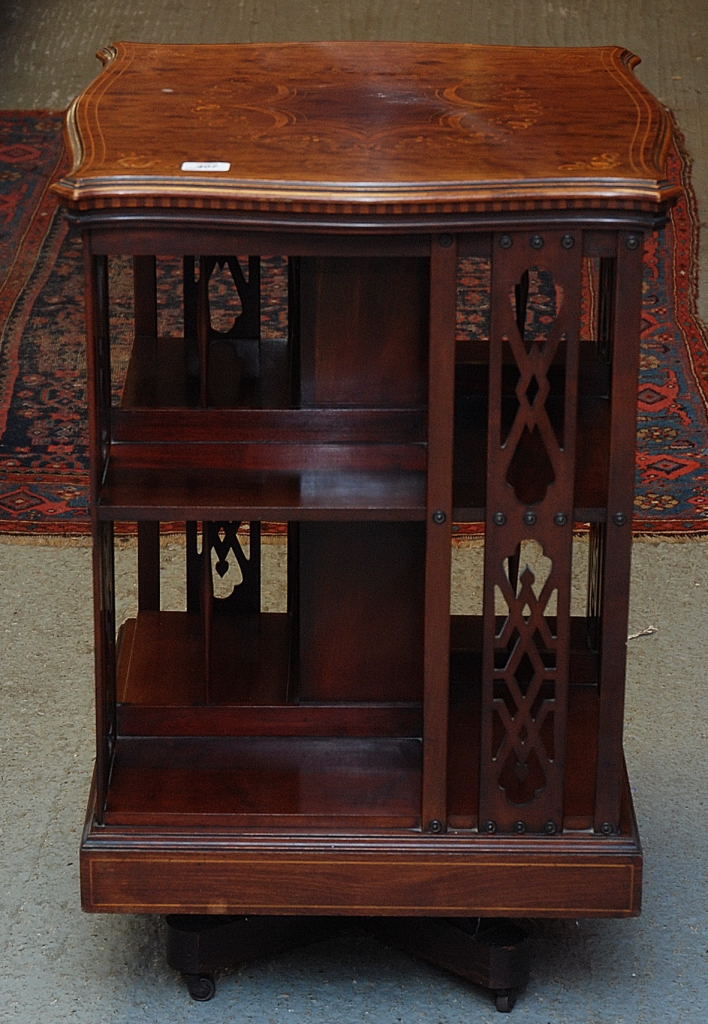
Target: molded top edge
(431,126)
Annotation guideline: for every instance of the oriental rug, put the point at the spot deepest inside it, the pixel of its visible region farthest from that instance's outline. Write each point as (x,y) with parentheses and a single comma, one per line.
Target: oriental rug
(43,443)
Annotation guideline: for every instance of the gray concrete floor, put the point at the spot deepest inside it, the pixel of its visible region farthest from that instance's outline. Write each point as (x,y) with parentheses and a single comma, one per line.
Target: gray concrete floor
(61,965)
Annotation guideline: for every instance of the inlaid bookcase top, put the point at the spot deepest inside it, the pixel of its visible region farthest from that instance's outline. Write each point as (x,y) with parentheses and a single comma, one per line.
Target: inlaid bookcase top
(365,127)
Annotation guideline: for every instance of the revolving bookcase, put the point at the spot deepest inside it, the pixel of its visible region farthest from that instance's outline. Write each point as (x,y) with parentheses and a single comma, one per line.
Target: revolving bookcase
(298,223)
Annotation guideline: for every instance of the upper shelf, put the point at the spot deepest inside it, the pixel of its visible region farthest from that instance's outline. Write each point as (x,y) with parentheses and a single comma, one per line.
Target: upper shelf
(366,128)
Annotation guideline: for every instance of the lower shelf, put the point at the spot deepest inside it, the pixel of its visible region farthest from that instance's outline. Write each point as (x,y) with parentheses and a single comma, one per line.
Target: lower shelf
(245,751)
(249,782)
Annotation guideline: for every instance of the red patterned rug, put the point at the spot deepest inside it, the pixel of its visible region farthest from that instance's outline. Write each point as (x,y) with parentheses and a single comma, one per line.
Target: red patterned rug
(43,451)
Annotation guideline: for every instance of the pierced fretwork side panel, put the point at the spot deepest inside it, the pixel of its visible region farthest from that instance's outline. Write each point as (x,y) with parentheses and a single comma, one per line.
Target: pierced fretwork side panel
(530,483)
(223,577)
(233,574)
(525,670)
(224,567)
(222,319)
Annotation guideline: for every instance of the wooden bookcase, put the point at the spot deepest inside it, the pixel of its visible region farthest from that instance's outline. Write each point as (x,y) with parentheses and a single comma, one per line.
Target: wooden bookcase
(362,751)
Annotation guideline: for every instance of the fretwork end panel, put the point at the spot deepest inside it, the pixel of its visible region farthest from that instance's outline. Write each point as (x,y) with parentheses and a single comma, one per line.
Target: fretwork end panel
(536,296)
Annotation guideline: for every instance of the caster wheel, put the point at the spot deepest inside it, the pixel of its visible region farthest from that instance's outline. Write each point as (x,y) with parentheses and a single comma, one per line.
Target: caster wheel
(202,987)
(504,1000)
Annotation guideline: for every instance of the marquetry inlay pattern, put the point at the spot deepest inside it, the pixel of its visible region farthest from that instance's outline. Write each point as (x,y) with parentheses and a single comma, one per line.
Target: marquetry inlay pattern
(393,127)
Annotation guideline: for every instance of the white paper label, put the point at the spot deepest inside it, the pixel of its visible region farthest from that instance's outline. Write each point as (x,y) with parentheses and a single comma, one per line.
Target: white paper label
(206,165)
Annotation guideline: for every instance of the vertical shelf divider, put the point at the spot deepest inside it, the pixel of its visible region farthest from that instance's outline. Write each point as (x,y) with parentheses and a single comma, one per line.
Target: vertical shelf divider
(617,550)
(438,556)
(99,423)
(146,328)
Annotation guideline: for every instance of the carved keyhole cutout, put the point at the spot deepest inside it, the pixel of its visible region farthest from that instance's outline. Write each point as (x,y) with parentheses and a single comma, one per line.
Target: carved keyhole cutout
(536,301)
(227,559)
(224,300)
(226,575)
(527,570)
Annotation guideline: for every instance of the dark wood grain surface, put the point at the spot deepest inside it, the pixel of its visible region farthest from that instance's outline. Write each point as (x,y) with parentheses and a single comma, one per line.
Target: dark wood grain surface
(420,127)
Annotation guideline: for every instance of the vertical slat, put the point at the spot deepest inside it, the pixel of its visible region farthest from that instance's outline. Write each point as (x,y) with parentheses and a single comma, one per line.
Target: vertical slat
(295,353)
(203,330)
(618,535)
(192,566)
(145,320)
(596,571)
(293,608)
(145,296)
(207,610)
(99,406)
(255,584)
(252,299)
(98,365)
(149,566)
(104,655)
(436,656)
(606,311)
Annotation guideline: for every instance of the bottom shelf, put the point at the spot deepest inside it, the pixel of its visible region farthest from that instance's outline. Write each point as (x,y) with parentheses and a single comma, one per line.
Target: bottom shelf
(256,781)
(335,782)
(242,750)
